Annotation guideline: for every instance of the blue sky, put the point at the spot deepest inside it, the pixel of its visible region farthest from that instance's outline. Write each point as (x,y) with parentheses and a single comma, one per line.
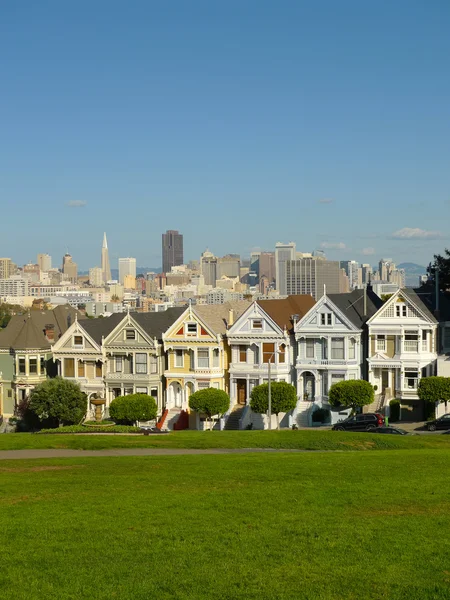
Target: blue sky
(240,123)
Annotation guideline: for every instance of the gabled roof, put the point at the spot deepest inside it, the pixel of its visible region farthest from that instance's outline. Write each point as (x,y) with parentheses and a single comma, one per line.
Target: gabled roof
(428,296)
(281,310)
(216,316)
(352,305)
(27,331)
(411,294)
(153,323)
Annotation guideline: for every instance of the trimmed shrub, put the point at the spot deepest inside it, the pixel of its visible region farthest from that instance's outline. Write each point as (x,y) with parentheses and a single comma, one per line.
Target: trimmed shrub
(126,410)
(93,429)
(434,389)
(57,402)
(351,393)
(210,401)
(394,410)
(283,398)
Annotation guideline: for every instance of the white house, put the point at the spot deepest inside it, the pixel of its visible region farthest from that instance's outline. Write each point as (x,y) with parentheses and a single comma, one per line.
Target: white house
(259,340)
(330,348)
(402,350)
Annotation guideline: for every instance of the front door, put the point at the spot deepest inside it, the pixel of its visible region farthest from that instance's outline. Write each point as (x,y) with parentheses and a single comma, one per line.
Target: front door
(384,380)
(241,391)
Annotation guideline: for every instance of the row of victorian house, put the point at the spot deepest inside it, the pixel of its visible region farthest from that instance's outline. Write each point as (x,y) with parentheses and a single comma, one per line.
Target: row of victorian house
(234,347)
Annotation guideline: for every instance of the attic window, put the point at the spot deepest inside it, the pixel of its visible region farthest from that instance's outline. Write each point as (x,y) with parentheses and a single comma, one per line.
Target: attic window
(78,340)
(326,319)
(257,324)
(130,334)
(401,310)
(191,328)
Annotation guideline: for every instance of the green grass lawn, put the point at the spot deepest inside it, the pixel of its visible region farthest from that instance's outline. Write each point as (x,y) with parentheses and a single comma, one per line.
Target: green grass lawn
(304,526)
(302,439)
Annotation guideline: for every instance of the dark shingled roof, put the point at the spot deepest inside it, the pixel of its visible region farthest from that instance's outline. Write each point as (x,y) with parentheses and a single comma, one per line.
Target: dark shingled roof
(28,330)
(153,323)
(352,305)
(428,297)
(421,305)
(281,310)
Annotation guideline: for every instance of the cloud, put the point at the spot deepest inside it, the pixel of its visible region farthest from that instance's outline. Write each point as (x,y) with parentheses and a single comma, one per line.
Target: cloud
(331,246)
(368,251)
(325,200)
(414,233)
(76,203)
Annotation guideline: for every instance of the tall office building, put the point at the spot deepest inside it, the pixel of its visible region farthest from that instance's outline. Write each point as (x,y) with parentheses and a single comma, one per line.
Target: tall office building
(45,262)
(229,266)
(5,268)
(283,253)
(106,269)
(384,267)
(172,250)
(96,277)
(267,266)
(311,276)
(70,268)
(127,266)
(208,267)
(366,273)
(353,272)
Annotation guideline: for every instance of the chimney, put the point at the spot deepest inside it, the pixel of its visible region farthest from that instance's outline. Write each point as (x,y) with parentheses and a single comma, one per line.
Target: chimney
(294,319)
(49,331)
(230,317)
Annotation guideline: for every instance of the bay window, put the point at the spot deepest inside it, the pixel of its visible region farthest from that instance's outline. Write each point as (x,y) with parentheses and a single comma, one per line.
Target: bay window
(141,363)
(337,348)
(203,359)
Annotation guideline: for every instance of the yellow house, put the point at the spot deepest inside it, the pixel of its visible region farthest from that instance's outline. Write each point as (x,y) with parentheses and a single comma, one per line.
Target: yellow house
(197,353)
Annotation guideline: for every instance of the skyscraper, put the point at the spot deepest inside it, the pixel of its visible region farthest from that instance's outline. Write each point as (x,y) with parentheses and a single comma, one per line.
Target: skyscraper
(45,262)
(5,268)
(283,253)
(208,267)
(172,250)
(310,275)
(69,268)
(106,269)
(127,266)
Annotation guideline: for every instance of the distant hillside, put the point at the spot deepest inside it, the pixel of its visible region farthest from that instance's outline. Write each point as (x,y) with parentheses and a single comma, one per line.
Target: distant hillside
(412,272)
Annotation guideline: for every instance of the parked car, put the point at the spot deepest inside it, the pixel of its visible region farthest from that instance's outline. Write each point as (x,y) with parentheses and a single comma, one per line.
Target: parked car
(365,422)
(441,423)
(393,430)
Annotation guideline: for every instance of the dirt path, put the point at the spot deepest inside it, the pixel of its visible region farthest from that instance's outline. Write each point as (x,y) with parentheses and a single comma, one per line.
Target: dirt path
(67,453)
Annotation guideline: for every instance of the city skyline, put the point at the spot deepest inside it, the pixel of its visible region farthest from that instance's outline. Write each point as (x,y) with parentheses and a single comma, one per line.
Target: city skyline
(302,139)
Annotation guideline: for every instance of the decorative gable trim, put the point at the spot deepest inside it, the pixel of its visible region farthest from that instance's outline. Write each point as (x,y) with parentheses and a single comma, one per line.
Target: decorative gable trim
(254,312)
(75,328)
(126,323)
(177,332)
(314,311)
(387,311)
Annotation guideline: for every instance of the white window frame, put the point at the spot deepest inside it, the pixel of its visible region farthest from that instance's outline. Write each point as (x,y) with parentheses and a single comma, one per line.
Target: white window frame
(75,345)
(203,362)
(30,358)
(380,343)
(351,348)
(257,328)
(118,360)
(326,319)
(191,325)
(313,355)
(153,364)
(141,390)
(179,359)
(216,358)
(333,350)
(141,367)
(129,331)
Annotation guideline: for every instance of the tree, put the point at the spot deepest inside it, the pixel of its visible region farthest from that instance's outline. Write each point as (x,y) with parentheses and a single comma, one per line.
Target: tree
(442,265)
(57,402)
(210,401)
(127,410)
(434,389)
(352,393)
(283,398)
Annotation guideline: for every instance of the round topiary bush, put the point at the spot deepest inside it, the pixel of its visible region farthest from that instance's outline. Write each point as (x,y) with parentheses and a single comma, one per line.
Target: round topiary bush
(210,401)
(126,410)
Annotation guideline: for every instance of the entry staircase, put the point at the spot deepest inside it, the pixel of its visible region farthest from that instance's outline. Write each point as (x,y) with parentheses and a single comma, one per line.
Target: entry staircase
(377,405)
(172,417)
(233,419)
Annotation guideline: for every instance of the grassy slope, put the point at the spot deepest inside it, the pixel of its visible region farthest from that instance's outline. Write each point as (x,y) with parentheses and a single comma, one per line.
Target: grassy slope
(311,526)
(309,440)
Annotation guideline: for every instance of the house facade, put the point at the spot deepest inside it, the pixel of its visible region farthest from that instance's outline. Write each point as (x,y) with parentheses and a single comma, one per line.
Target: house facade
(197,352)
(330,347)
(26,351)
(402,349)
(117,356)
(262,339)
